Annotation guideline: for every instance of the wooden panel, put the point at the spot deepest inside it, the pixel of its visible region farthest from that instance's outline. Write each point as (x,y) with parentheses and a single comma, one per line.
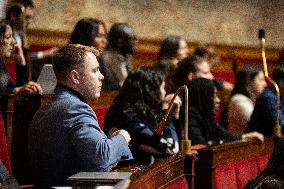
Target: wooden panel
(160,174)
(211,157)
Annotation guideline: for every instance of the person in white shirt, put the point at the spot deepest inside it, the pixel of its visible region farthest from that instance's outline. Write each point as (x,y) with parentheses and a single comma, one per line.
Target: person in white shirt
(250,83)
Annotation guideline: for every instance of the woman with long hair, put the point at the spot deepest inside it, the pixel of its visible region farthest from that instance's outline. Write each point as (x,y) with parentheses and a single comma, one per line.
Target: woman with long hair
(138,109)
(90,32)
(250,83)
(9,48)
(203,101)
(173,50)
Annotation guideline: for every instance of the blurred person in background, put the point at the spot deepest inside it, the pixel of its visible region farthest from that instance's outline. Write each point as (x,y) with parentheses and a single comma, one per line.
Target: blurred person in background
(250,83)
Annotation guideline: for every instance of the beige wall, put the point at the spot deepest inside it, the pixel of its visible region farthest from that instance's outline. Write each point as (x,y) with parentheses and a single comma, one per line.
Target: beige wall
(231,22)
(2,8)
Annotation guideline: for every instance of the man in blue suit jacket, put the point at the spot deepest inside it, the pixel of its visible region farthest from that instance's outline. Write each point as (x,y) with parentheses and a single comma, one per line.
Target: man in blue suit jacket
(64,137)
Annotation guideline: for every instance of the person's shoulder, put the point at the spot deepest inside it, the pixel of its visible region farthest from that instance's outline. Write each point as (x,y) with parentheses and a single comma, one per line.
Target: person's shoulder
(268,91)
(79,106)
(267,94)
(239,98)
(75,111)
(71,103)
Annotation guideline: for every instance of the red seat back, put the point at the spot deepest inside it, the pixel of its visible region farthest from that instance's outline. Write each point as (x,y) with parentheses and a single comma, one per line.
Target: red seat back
(11,67)
(101,113)
(236,174)
(180,183)
(3,147)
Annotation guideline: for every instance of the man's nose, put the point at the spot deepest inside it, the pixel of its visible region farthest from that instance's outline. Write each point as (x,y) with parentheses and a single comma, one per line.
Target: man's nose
(101,76)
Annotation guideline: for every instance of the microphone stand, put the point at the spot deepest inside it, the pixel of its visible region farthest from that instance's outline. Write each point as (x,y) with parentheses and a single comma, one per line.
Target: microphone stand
(185,144)
(277,127)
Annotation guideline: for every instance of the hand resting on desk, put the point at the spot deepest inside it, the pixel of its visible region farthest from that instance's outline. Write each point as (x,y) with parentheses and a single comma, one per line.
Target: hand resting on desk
(253,135)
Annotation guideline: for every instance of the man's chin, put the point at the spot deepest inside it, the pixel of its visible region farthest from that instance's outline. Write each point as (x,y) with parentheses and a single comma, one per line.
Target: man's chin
(97,95)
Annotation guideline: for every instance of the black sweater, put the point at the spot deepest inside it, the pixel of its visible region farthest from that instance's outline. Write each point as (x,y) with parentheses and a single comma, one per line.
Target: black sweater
(202,131)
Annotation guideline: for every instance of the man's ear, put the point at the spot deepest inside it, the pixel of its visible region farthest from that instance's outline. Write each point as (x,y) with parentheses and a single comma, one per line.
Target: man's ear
(74,77)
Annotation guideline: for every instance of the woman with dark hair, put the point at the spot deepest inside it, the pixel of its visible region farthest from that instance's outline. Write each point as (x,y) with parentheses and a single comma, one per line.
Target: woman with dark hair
(250,83)
(90,32)
(138,109)
(8,48)
(173,49)
(203,129)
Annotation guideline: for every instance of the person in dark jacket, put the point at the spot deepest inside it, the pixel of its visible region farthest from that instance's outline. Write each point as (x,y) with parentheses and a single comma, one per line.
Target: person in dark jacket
(263,118)
(203,129)
(138,109)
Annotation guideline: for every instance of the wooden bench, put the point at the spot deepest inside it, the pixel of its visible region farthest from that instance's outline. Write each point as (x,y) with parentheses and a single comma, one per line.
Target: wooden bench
(231,165)
(4,157)
(176,172)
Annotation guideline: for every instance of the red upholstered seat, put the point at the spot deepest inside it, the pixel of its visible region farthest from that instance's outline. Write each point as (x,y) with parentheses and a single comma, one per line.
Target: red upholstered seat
(36,48)
(262,161)
(246,170)
(3,147)
(225,75)
(180,183)
(225,176)
(235,175)
(11,66)
(101,113)
(218,114)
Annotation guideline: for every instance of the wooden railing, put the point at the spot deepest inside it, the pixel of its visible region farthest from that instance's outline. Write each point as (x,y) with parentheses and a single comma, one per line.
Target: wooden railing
(231,165)
(166,173)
